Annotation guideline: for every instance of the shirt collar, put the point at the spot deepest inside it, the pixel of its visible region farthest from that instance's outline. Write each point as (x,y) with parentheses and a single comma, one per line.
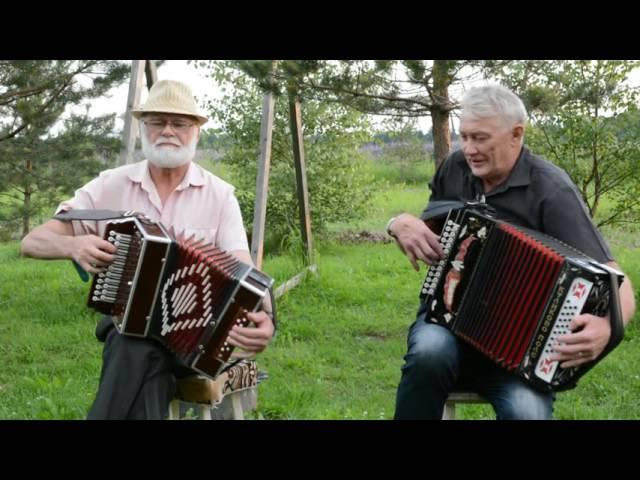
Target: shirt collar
(520,175)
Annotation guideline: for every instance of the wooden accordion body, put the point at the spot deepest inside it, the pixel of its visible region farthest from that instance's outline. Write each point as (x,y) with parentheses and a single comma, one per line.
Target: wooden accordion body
(184,293)
(510,292)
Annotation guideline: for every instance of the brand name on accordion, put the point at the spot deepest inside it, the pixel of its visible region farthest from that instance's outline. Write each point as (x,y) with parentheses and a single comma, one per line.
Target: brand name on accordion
(548,322)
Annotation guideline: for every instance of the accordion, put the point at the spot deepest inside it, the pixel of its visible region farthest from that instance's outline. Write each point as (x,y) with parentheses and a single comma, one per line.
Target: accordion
(183,292)
(510,292)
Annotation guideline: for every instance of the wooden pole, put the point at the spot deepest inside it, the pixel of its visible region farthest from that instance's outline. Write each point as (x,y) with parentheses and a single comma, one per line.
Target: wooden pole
(262,180)
(151,72)
(295,120)
(129,134)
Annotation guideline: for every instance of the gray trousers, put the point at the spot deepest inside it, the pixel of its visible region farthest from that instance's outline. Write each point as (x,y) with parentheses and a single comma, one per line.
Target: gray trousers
(138,377)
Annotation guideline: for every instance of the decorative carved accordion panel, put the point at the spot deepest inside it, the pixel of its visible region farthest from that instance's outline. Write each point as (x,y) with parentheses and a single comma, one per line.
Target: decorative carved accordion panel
(185,293)
(510,292)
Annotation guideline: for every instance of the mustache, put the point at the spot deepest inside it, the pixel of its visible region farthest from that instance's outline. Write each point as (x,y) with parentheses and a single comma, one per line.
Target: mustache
(163,140)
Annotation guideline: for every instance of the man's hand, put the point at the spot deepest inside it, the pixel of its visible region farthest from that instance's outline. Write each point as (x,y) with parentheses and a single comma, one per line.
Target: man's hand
(252,339)
(589,337)
(91,252)
(416,240)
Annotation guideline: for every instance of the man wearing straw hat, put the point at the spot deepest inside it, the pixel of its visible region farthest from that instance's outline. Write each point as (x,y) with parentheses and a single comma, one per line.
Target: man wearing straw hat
(138,377)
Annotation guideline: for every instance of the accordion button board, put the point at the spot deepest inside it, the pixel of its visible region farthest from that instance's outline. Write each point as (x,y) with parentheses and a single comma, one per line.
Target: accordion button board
(510,292)
(183,292)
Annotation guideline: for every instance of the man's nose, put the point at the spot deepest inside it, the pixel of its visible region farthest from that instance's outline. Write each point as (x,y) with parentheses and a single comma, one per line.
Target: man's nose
(168,125)
(469,148)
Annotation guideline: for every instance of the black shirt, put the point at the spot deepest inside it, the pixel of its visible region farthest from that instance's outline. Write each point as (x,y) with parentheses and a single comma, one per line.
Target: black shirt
(537,195)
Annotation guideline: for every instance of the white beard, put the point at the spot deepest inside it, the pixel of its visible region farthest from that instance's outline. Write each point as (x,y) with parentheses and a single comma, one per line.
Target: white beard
(168,157)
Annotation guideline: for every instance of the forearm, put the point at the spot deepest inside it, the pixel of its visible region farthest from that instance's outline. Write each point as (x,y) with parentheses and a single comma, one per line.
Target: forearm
(627,297)
(48,241)
(627,300)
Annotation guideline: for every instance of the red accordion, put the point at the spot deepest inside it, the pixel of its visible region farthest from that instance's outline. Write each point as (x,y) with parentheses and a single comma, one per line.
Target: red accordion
(510,292)
(183,292)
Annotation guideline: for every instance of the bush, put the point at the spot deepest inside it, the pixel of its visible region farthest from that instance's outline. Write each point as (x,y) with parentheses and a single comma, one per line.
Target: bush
(340,186)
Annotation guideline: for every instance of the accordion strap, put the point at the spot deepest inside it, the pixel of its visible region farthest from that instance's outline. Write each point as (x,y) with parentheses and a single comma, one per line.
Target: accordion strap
(441,208)
(615,313)
(97,215)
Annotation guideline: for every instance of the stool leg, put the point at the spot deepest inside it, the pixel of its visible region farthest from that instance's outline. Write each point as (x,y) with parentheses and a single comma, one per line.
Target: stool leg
(449,412)
(236,405)
(174,410)
(206,412)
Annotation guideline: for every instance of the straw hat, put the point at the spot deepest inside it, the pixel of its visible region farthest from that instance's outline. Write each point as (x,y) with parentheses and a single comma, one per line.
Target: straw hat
(170,96)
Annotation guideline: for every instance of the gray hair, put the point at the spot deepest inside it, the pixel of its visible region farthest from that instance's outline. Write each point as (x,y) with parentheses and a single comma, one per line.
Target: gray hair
(494,101)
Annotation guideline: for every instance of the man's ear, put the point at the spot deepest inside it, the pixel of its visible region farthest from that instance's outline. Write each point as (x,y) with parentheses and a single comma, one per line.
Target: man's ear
(518,132)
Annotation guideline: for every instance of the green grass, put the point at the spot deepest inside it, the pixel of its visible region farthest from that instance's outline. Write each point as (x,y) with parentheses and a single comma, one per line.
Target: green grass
(385,169)
(389,202)
(51,362)
(337,354)
(342,337)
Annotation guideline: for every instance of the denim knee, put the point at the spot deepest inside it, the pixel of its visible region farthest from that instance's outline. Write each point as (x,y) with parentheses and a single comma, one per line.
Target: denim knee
(432,349)
(521,402)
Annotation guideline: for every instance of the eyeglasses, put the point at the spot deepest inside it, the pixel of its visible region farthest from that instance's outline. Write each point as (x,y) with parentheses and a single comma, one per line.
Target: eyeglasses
(157,125)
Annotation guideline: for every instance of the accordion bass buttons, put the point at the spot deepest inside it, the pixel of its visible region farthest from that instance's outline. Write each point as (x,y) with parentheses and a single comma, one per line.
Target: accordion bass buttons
(447,238)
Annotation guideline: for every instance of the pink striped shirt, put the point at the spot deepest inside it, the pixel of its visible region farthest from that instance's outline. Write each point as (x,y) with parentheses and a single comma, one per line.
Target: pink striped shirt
(202,204)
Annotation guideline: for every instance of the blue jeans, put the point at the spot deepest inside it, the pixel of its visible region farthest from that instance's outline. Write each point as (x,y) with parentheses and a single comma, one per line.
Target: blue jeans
(437,362)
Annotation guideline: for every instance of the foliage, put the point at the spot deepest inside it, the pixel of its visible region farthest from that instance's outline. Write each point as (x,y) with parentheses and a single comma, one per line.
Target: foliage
(338,185)
(585,119)
(406,150)
(392,88)
(45,171)
(42,156)
(33,89)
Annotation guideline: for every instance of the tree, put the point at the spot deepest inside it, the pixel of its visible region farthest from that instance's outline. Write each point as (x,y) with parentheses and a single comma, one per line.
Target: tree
(584,118)
(338,187)
(30,89)
(43,171)
(38,166)
(395,88)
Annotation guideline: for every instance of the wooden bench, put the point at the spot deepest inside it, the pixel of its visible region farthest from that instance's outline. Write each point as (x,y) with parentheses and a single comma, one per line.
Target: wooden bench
(228,397)
(456,397)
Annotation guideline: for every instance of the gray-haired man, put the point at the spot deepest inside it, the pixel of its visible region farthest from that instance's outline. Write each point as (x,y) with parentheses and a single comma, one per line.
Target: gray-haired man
(524,189)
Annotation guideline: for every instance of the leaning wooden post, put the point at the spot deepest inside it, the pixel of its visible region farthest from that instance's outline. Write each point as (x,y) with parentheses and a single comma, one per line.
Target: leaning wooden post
(262,179)
(129,134)
(295,120)
(151,72)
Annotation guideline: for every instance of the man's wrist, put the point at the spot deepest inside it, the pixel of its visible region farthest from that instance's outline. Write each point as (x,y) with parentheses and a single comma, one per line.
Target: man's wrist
(388,227)
(68,246)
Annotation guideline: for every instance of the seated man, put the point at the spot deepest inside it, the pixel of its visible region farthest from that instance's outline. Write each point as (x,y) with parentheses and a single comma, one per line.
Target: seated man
(138,378)
(523,189)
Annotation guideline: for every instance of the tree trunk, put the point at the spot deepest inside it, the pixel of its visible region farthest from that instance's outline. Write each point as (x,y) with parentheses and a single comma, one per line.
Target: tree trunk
(26,217)
(440,111)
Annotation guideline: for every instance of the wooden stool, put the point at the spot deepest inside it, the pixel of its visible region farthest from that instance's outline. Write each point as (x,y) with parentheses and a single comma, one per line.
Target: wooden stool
(449,412)
(228,397)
